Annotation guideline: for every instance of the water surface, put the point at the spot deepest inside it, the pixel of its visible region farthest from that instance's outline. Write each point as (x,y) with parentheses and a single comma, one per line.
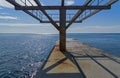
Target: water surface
(22,54)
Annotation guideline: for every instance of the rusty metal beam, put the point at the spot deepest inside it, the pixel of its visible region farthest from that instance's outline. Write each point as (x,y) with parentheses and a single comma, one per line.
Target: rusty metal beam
(13,3)
(29,13)
(26,11)
(59,7)
(111,2)
(96,11)
(47,21)
(62,31)
(78,14)
(38,2)
(45,13)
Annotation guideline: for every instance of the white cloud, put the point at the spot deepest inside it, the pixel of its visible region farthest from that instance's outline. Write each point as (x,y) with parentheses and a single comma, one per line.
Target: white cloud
(27,28)
(4,3)
(69,2)
(8,17)
(94,29)
(41,28)
(28,2)
(22,24)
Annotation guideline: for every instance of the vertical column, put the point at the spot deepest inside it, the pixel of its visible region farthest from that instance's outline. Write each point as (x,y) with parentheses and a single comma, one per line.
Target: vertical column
(62,31)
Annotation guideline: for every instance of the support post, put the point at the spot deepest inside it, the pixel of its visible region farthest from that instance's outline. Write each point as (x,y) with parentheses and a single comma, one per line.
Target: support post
(62,31)
(62,40)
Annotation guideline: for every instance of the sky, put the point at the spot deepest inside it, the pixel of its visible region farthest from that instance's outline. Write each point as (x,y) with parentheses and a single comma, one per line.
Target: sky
(14,21)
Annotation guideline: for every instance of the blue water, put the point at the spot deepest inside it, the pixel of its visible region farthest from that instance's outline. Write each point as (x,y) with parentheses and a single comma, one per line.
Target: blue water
(107,42)
(22,54)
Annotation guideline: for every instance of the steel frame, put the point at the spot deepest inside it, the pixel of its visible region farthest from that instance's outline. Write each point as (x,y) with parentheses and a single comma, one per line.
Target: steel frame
(84,11)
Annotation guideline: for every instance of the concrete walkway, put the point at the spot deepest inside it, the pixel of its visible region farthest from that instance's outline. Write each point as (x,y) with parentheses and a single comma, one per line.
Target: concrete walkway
(80,61)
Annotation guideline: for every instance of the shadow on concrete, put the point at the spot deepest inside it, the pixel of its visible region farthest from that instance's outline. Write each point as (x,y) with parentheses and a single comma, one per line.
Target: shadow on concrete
(97,57)
(61,75)
(43,73)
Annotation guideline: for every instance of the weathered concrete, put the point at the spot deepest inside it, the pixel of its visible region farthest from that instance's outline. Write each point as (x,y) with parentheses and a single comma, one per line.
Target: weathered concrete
(80,61)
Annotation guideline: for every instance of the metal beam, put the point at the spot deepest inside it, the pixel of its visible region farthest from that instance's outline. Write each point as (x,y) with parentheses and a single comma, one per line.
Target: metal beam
(47,21)
(59,7)
(38,3)
(111,2)
(62,4)
(29,13)
(26,11)
(45,13)
(13,3)
(51,20)
(78,14)
(96,11)
(62,31)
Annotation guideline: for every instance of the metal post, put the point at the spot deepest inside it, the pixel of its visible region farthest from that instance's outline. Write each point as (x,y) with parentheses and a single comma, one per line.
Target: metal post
(62,30)
(62,40)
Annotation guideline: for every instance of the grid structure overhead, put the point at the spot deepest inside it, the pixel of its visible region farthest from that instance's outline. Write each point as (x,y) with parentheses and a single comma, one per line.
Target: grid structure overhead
(62,13)
(78,11)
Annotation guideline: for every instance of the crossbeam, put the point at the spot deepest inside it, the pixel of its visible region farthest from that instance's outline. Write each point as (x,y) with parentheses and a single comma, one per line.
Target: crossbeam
(78,14)
(59,7)
(45,13)
(26,11)
(96,11)
(47,21)
(64,20)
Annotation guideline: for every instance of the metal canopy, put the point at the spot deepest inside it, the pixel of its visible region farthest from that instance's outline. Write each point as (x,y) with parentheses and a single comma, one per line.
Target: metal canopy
(61,13)
(85,7)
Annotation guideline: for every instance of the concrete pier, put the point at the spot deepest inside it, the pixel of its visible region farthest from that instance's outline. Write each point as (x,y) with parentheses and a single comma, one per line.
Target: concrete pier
(80,61)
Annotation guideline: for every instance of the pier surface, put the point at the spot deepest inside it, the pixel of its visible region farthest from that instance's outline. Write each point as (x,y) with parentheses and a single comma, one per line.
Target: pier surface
(80,61)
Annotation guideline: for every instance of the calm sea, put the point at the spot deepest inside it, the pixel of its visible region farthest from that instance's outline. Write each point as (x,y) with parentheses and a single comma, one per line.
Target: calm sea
(22,54)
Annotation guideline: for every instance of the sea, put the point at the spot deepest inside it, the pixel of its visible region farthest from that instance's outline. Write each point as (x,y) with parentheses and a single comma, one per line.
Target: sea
(22,54)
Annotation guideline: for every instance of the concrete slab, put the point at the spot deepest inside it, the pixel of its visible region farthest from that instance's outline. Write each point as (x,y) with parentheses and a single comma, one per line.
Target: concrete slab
(85,62)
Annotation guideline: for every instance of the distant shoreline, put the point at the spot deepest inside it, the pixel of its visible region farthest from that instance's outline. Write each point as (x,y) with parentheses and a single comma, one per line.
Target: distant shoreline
(57,33)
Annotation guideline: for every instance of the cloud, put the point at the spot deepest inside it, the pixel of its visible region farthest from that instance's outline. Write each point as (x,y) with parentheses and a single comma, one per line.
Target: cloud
(28,2)
(27,28)
(8,17)
(22,24)
(94,29)
(4,3)
(69,2)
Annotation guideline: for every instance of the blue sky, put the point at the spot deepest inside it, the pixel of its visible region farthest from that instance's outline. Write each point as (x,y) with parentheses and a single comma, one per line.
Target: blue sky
(12,21)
